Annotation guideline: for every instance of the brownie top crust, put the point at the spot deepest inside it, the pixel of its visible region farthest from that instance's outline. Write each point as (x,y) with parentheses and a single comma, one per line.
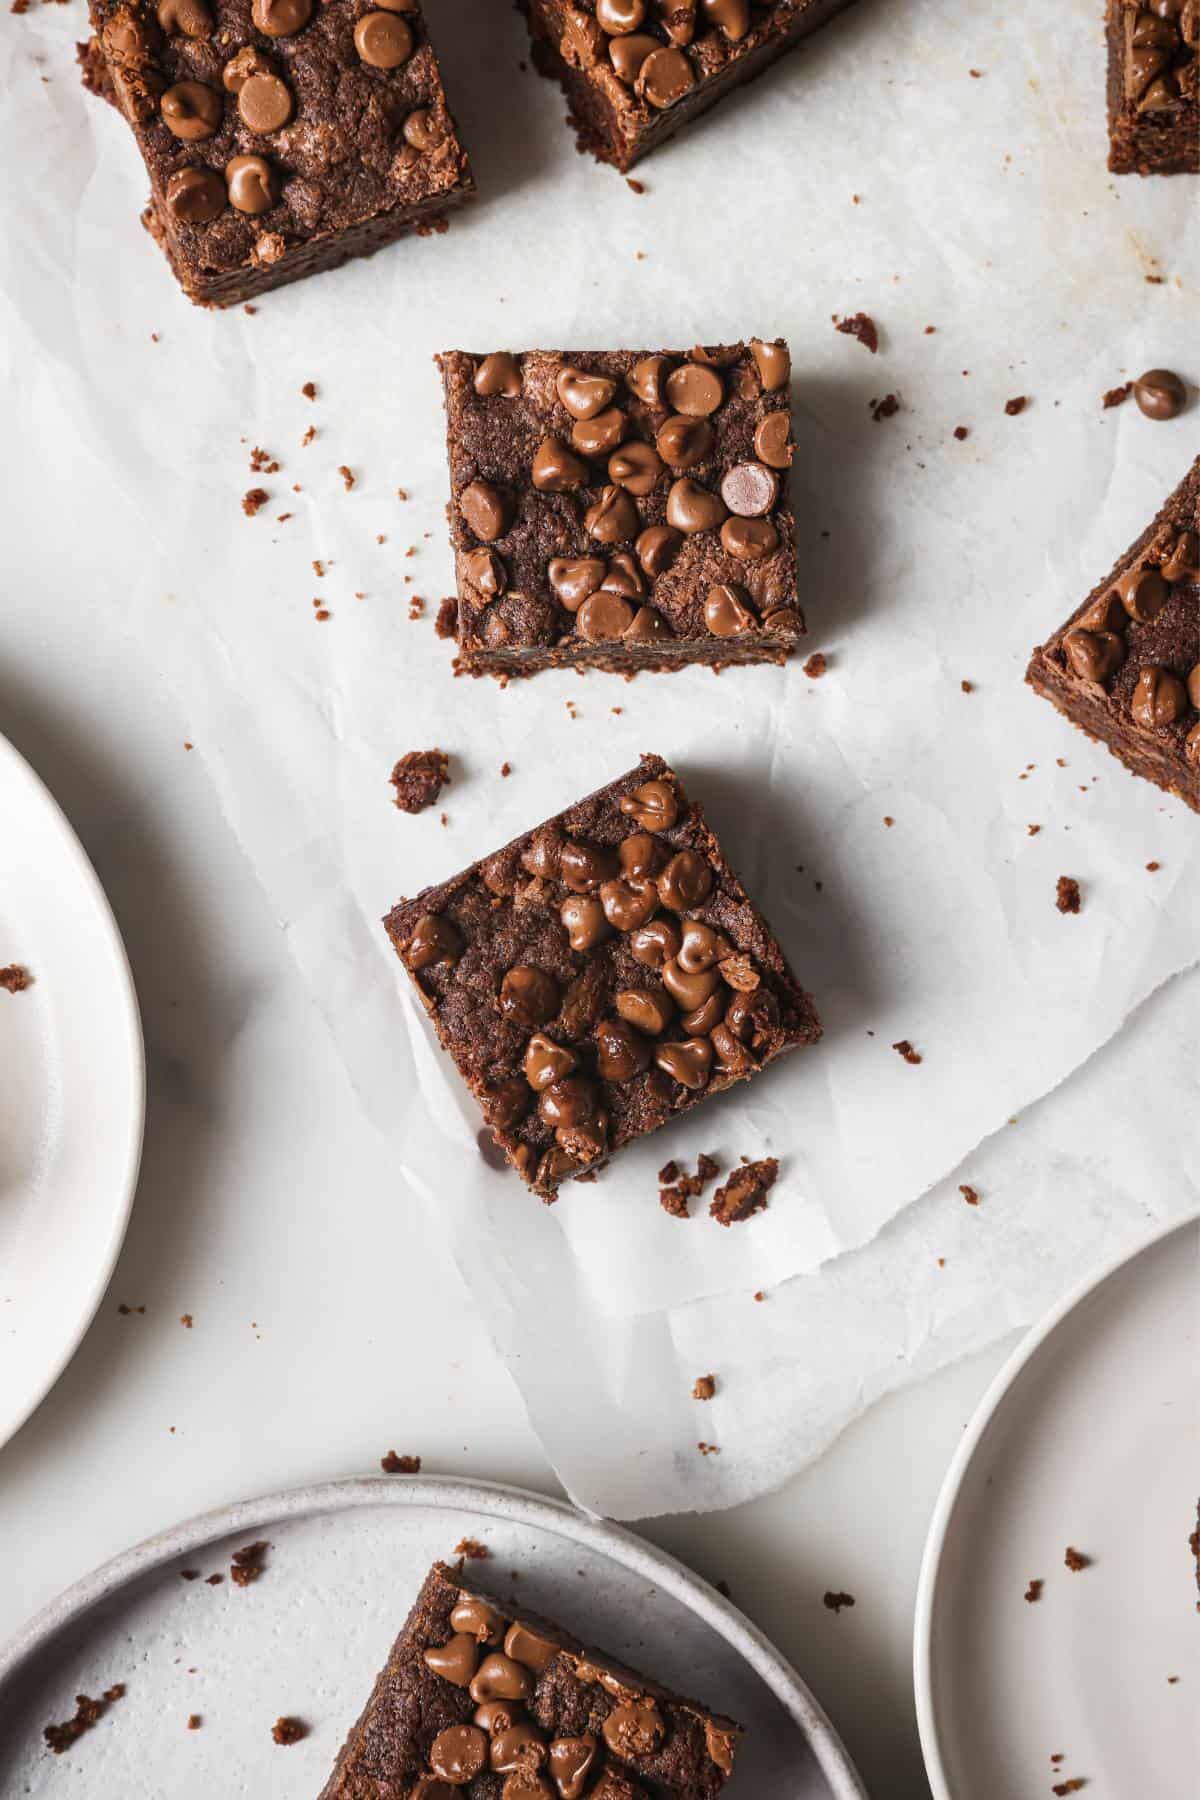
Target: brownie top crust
(270,123)
(495,1703)
(599,974)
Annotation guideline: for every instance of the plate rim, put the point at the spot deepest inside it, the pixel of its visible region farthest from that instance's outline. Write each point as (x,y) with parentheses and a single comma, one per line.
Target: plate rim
(520,1505)
(131,1023)
(1037,1336)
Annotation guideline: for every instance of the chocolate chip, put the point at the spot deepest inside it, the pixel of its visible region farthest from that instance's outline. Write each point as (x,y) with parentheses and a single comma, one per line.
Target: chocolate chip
(649,627)
(656,548)
(654,806)
(557,470)
(528,997)
(456,1661)
(646,378)
(1143,593)
(191,18)
(647,1009)
(732,17)
(1184,561)
(773,440)
(749,539)
(547,1062)
(191,111)
(252,184)
(691,507)
(624,577)
(1105,614)
(613,518)
(573,578)
(679,20)
(485,509)
(529,1648)
(725,615)
(694,390)
(383,40)
(281,18)
(688,1063)
(1160,394)
(690,989)
(485,571)
(703,1019)
(600,435)
(784,619)
(603,616)
(498,374)
(664,78)
(264,103)
(685,882)
(434,940)
(504,1106)
(641,854)
(730,1054)
(617,17)
(655,944)
(584,921)
(459,1754)
(628,53)
(583,395)
(628,901)
(1159,698)
(582,867)
(1193,687)
(424,129)
(701,947)
(1093,655)
(495,1716)
(519,1749)
(570,1102)
(749,489)
(571,1761)
(621,1053)
(773,362)
(195,196)
(500,1678)
(637,467)
(684,442)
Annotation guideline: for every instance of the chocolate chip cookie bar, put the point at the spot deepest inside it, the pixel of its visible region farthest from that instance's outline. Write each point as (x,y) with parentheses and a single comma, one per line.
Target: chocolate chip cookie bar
(479,1700)
(281,137)
(1154,86)
(599,976)
(1125,667)
(620,509)
(635,71)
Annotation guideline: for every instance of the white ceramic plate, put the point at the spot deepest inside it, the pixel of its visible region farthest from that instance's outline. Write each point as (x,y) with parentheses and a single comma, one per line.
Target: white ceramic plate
(308,1638)
(1087,1438)
(72,1092)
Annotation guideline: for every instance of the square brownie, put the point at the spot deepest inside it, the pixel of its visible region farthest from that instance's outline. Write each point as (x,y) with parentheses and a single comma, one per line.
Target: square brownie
(1125,667)
(1154,86)
(281,137)
(635,71)
(482,1700)
(621,509)
(599,976)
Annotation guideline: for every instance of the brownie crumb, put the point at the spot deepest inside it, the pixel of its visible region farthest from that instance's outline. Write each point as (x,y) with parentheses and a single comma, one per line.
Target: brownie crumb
(213,1580)
(1067,897)
(1076,1560)
(391,1464)
(505,770)
(862,326)
(288,1730)
(961,432)
(1069,1787)
(1152,868)
(1117,396)
(446,623)
(816,665)
(194,1722)
(472,1549)
(1033,1592)
(347,476)
(262,462)
(1033,830)
(745,1193)
(759,1295)
(708,1449)
(669,1172)
(969,1194)
(247,1563)
(705,1388)
(125,1310)
(968,687)
(254,500)
(1016,405)
(674,1202)
(87,1712)
(638,187)
(905,1049)
(707,1169)
(885,408)
(310,432)
(186,1320)
(835,1602)
(419,778)
(14,979)
(309,390)
(189,1574)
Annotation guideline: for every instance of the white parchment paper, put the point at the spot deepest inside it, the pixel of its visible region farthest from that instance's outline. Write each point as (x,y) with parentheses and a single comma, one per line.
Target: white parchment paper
(970,197)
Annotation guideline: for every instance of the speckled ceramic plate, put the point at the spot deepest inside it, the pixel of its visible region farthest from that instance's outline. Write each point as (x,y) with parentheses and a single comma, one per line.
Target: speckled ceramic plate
(1089,1438)
(307,1639)
(72,1093)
